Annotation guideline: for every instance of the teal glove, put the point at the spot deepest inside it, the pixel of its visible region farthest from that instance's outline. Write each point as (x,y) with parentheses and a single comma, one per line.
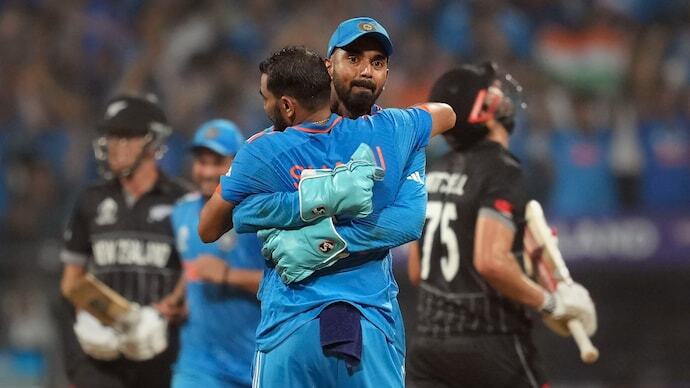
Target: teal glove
(345,191)
(298,253)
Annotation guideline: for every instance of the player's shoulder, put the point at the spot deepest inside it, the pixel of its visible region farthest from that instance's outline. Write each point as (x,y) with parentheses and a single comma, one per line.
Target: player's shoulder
(260,134)
(491,158)
(188,203)
(188,199)
(263,141)
(98,190)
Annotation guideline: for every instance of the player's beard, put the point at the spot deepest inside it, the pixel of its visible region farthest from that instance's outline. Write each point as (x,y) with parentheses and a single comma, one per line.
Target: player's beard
(357,103)
(279,123)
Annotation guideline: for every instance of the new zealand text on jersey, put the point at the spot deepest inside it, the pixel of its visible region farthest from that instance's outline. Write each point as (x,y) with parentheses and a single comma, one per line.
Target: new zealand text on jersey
(127,251)
(446,183)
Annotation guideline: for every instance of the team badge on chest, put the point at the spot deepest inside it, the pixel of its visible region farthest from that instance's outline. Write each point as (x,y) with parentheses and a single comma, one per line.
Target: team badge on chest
(106,213)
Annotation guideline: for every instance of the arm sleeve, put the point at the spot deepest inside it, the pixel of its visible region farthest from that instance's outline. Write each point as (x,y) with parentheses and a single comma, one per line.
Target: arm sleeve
(248,175)
(503,195)
(411,129)
(263,211)
(384,229)
(251,248)
(77,242)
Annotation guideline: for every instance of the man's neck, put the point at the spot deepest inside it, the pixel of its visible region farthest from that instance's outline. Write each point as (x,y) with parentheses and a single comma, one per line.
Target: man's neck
(141,181)
(498,134)
(319,115)
(340,108)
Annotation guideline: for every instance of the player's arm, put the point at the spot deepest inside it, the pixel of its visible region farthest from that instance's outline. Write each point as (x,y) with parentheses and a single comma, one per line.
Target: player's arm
(383,229)
(213,269)
(76,251)
(442,116)
(344,192)
(173,306)
(413,263)
(71,274)
(496,263)
(216,218)
(264,211)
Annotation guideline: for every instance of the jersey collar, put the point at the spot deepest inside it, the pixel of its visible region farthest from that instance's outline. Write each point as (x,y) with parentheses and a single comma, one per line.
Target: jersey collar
(310,127)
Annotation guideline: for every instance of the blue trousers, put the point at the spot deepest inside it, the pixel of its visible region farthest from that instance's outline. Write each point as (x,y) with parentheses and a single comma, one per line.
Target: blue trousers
(189,378)
(300,362)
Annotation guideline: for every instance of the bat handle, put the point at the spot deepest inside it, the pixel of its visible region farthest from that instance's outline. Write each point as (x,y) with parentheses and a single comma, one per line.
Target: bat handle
(588,352)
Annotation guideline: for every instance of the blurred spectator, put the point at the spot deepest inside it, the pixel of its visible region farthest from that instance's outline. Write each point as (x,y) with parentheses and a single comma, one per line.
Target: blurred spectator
(581,153)
(666,141)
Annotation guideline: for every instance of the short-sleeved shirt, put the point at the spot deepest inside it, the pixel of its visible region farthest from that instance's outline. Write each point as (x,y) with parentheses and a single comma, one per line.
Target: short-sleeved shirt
(218,336)
(273,162)
(454,299)
(129,247)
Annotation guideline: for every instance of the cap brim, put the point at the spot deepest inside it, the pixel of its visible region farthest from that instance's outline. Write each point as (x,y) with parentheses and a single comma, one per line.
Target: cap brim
(383,39)
(213,146)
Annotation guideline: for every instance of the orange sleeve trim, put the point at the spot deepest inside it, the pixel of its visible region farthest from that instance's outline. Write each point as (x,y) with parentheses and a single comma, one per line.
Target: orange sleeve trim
(424,107)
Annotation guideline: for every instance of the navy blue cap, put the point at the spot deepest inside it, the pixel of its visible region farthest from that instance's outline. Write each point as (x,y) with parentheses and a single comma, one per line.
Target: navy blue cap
(220,136)
(353,29)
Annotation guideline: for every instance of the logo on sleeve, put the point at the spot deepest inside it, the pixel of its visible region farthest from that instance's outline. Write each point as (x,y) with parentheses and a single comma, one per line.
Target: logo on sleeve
(159,212)
(417,177)
(504,207)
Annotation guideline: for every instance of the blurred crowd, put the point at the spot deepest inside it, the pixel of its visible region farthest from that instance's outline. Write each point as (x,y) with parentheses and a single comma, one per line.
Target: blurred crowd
(606,83)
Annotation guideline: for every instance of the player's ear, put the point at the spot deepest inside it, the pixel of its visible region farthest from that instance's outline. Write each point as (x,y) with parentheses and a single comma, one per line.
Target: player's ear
(288,106)
(329,66)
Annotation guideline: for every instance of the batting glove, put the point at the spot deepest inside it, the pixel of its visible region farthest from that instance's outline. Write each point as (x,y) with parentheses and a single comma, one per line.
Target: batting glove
(144,334)
(571,301)
(96,340)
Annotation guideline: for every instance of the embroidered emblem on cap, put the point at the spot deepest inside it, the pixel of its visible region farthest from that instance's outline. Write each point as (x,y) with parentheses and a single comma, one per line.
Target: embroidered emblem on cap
(366,27)
(211,133)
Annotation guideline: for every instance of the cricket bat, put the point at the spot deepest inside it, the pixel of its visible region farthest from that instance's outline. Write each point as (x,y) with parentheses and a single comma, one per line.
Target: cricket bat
(550,269)
(101,301)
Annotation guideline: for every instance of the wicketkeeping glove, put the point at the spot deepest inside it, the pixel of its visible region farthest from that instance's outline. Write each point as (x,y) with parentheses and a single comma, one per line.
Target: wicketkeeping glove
(299,253)
(567,302)
(345,191)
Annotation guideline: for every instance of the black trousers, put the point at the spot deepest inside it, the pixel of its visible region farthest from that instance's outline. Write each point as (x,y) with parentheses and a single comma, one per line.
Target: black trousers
(474,361)
(88,372)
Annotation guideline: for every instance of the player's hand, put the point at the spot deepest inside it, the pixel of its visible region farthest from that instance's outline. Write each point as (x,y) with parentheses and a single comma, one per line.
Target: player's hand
(345,191)
(571,301)
(173,307)
(299,253)
(211,269)
(96,340)
(144,334)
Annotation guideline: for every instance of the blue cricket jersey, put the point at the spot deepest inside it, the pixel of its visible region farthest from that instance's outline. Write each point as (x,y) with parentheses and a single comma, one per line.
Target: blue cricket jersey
(273,161)
(219,334)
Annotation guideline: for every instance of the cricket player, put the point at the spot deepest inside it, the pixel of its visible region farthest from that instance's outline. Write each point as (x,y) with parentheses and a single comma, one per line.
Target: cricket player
(353,344)
(217,340)
(473,328)
(120,231)
(357,60)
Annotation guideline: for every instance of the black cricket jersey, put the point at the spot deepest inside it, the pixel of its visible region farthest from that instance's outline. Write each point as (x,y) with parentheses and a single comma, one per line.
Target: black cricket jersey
(128,246)
(454,299)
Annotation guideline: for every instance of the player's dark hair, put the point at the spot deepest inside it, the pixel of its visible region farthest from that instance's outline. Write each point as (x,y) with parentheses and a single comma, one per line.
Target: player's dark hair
(298,72)
(469,90)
